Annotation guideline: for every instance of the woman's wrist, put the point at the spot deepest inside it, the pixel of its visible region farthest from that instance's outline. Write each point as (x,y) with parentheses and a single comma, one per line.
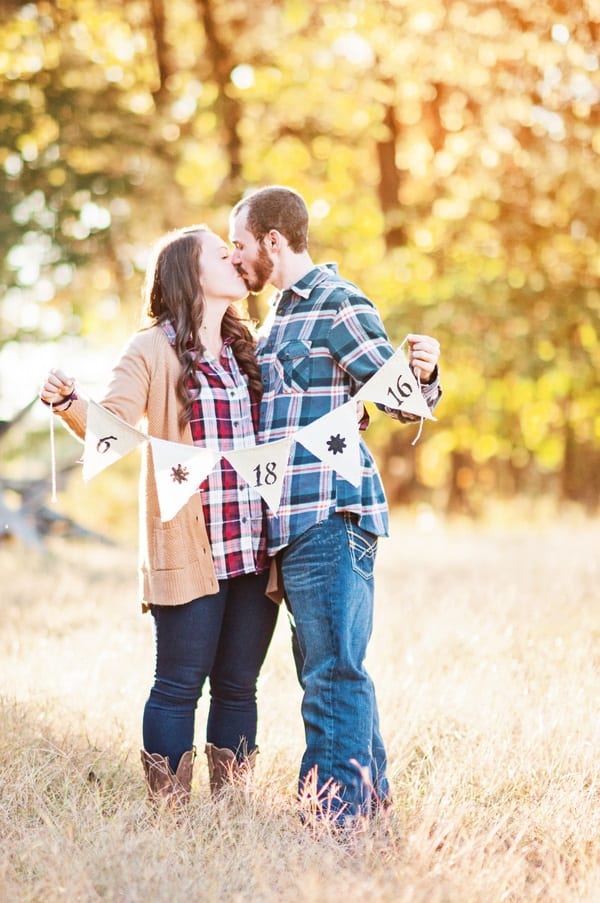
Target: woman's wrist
(63,405)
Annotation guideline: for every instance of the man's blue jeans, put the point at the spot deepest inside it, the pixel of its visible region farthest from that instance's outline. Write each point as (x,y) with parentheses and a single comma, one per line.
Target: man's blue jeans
(224,637)
(328,581)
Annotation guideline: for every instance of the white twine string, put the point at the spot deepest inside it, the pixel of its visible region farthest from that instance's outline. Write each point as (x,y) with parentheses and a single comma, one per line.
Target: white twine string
(418,436)
(52,454)
(417,373)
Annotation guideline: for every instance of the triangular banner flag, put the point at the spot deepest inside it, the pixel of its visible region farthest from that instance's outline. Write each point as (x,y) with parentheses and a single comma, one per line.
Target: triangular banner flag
(107,438)
(395,386)
(263,467)
(178,470)
(334,439)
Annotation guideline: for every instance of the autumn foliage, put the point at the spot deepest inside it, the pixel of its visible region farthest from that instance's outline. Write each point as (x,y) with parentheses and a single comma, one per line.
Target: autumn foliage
(449,155)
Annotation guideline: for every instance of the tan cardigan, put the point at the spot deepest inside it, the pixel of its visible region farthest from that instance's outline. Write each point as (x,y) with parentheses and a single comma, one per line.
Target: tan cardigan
(176,565)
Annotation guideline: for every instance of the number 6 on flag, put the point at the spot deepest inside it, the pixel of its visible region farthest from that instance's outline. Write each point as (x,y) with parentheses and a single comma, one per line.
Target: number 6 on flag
(107,438)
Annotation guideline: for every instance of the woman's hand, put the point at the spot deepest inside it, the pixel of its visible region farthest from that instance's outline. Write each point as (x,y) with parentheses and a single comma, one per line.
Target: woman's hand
(424,355)
(56,387)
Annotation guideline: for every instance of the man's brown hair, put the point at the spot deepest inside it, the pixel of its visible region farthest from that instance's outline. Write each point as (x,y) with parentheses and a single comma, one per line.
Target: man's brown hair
(280,208)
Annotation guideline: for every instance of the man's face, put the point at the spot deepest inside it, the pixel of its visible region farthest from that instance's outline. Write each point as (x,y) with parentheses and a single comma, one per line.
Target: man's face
(250,257)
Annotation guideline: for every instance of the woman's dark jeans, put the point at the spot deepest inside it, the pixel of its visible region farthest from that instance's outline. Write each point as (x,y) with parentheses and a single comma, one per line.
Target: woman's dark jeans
(224,637)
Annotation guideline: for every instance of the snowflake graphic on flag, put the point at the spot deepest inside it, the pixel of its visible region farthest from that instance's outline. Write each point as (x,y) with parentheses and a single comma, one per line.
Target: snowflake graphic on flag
(179,474)
(336,444)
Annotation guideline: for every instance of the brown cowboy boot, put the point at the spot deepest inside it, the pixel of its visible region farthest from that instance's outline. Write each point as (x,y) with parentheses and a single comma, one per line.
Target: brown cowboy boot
(166,789)
(224,768)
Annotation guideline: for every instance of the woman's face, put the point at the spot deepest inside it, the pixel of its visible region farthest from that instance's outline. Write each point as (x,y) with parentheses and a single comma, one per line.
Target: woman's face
(219,278)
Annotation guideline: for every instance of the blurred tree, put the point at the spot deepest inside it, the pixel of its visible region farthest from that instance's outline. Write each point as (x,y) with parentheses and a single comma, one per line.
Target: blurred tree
(448,153)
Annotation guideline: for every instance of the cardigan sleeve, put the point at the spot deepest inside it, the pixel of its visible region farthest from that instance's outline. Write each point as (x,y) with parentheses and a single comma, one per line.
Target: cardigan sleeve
(127,391)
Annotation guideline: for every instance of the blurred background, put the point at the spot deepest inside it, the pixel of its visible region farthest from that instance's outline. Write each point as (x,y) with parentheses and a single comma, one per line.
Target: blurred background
(448,152)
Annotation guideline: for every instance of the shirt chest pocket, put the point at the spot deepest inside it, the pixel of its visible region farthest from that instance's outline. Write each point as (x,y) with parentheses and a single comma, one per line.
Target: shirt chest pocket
(295,365)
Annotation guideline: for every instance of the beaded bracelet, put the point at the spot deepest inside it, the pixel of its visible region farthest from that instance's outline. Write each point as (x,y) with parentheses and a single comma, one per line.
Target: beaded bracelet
(63,405)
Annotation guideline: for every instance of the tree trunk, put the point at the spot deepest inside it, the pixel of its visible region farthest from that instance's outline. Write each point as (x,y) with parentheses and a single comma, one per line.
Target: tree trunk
(227,108)
(388,189)
(163,60)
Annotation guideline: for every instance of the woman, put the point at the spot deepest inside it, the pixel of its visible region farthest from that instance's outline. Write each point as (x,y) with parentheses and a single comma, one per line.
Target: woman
(193,375)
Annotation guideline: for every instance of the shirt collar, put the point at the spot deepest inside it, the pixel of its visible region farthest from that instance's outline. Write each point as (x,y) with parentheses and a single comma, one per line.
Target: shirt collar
(304,286)
(226,350)
(169,331)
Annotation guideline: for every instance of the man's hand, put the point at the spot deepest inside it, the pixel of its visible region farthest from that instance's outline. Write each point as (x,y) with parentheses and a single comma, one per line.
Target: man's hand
(423,356)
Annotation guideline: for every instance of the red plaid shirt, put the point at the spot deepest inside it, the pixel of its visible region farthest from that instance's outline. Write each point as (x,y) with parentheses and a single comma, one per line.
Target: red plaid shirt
(224,417)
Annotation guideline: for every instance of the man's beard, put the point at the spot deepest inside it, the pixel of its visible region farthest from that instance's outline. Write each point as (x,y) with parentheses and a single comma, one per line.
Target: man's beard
(262,269)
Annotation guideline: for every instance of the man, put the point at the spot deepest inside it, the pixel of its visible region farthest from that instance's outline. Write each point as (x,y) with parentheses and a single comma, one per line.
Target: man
(326,339)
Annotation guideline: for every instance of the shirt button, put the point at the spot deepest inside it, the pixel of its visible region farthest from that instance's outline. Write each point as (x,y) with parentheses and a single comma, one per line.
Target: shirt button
(235,423)
(244,519)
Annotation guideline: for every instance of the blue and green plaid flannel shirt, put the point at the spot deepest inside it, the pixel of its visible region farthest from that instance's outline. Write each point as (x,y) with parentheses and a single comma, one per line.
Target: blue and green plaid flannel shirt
(326,340)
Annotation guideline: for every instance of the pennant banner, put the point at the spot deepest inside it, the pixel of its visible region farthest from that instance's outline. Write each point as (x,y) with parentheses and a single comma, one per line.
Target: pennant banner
(334,439)
(395,387)
(107,438)
(178,470)
(263,467)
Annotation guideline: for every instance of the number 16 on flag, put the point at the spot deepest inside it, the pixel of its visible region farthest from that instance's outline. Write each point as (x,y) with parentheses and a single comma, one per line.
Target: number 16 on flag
(395,387)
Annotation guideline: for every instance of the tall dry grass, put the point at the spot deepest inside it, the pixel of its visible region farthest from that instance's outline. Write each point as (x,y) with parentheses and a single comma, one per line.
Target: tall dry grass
(485,654)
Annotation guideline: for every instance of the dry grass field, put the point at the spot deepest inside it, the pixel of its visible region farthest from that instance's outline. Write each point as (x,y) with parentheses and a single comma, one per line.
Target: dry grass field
(486,656)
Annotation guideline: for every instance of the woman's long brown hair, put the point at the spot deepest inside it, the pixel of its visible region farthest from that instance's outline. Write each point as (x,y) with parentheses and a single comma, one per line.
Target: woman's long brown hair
(173,291)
